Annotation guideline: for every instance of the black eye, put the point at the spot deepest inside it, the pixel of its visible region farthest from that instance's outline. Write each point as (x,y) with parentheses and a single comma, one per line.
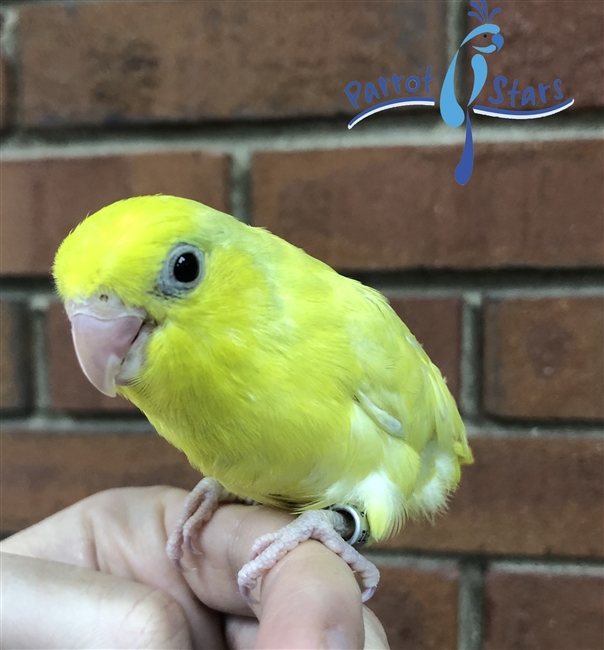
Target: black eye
(181,271)
(186,268)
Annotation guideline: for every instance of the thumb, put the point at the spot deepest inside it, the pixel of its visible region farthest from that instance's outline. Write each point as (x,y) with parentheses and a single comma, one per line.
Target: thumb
(48,604)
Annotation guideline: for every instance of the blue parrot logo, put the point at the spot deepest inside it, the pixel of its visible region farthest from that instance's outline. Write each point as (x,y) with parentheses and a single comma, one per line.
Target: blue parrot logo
(451,111)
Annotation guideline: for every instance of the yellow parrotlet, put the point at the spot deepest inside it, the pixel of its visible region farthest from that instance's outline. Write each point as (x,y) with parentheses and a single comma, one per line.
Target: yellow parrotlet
(281,380)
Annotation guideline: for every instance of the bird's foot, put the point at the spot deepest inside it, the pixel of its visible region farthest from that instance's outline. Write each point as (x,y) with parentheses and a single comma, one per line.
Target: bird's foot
(322,525)
(199,507)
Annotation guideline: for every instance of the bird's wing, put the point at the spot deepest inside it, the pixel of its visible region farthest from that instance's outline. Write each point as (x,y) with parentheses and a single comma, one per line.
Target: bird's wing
(401,390)
(403,413)
(479,65)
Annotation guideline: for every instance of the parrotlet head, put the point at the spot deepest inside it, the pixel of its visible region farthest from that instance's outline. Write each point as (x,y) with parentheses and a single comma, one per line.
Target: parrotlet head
(483,31)
(127,270)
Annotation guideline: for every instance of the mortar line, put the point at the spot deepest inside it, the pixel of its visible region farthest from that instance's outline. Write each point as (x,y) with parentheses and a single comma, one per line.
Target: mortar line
(61,423)
(471,356)
(471,605)
(294,137)
(101,422)
(9,37)
(516,562)
(545,568)
(10,49)
(24,294)
(401,559)
(567,430)
(38,307)
(556,291)
(240,184)
(491,283)
(455,32)
(454,29)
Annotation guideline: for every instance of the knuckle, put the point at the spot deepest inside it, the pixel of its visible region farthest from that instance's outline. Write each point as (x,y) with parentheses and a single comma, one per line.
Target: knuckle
(157,621)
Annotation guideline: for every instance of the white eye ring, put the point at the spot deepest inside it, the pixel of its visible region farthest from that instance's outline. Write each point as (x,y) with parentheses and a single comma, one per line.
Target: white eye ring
(167,282)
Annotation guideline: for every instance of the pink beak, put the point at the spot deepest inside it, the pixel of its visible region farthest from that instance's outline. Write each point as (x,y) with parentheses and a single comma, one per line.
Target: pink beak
(105,333)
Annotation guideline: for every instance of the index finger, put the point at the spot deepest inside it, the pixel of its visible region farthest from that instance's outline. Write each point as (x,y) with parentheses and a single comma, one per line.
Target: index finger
(310,599)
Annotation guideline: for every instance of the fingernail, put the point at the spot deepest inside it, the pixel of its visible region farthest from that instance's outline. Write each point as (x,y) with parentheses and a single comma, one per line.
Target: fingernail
(336,639)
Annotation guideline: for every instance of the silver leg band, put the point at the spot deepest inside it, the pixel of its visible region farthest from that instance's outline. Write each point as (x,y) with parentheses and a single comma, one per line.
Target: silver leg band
(360,535)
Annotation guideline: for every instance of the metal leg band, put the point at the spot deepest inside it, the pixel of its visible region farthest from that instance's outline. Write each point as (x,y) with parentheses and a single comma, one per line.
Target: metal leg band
(360,534)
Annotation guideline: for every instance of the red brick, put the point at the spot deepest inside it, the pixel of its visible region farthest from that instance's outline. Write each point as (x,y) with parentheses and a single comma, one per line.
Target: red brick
(527,609)
(43,473)
(69,388)
(436,323)
(200,60)
(418,606)
(544,41)
(528,204)
(544,358)
(43,199)
(522,496)
(13,357)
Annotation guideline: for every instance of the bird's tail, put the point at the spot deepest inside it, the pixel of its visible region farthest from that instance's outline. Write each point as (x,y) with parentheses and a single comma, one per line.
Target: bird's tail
(463,171)
(449,426)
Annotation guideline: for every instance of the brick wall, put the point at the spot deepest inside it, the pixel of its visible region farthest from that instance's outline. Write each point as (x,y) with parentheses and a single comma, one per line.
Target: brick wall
(241,106)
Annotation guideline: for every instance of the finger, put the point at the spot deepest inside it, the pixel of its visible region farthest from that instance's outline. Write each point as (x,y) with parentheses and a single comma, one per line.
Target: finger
(310,599)
(241,632)
(225,544)
(121,532)
(375,637)
(49,604)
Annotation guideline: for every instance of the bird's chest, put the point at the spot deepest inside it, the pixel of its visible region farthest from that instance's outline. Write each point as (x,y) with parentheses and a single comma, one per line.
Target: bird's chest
(257,417)
(261,448)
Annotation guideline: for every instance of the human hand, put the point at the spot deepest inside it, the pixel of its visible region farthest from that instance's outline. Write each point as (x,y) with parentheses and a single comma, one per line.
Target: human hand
(96,575)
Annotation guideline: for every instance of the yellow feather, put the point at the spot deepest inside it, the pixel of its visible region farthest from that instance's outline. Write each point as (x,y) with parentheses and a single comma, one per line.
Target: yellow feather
(287,382)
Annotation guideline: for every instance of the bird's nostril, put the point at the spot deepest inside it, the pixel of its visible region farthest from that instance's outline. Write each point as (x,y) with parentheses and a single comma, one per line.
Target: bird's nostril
(103,297)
